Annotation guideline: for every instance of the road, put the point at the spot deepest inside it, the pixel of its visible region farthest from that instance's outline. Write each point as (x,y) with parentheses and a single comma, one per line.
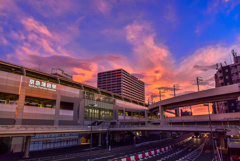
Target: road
(121,153)
(193,150)
(187,151)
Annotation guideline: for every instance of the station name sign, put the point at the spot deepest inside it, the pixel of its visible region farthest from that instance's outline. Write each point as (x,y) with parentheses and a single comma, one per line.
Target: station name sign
(64,74)
(42,85)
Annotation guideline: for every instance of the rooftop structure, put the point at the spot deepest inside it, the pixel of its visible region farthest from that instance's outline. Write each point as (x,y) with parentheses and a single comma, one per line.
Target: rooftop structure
(227,75)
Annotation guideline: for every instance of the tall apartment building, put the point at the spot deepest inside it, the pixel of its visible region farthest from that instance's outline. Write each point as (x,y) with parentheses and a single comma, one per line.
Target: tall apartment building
(227,75)
(121,82)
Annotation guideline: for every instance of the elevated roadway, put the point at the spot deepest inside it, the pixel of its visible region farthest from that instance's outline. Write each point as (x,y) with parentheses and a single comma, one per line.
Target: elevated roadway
(206,96)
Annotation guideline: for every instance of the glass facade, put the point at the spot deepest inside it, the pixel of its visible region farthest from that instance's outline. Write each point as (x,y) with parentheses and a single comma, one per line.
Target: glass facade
(55,142)
(98,97)
(103,109)
(98,113)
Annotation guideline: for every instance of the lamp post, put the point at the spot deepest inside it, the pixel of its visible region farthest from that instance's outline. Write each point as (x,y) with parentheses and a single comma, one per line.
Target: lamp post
(211,130)
(91,105)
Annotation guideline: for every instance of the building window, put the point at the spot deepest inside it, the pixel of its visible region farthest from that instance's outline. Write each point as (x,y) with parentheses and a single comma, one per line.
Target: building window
(39,102)
(227,77)
(66,106)
(6,98)
(120,112)
(226,70)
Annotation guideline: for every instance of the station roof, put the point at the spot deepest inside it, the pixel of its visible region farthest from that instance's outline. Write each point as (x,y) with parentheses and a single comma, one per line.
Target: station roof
(12,68)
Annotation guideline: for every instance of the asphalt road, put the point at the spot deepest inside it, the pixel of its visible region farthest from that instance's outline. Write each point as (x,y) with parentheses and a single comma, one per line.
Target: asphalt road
(114,155)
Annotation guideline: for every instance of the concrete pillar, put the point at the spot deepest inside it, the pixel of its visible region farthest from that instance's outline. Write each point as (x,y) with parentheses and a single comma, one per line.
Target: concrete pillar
(115,112)
(124,114)
(21,100)
(27,147)
(81,112)
(177,112)
(222,143)
(76,107)
(57,110)
(146,134)
(146,117)
(99,139)
(17,144)
(161,111)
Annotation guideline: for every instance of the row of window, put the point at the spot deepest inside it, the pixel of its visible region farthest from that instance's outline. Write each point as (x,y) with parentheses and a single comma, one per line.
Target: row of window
(52,144)
(93,113)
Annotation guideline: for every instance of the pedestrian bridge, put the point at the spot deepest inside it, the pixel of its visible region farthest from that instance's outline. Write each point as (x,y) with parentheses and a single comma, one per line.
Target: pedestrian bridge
(22,130)
(230,130)
(220,119)
(28,130)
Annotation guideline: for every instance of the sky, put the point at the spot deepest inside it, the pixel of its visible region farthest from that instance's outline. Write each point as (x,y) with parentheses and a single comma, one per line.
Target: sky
(161,42)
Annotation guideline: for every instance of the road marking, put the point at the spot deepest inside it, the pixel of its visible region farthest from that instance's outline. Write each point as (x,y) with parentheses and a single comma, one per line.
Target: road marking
(104,157)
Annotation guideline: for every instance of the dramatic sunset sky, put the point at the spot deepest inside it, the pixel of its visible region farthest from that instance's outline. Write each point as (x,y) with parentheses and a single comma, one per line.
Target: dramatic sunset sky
(162,42)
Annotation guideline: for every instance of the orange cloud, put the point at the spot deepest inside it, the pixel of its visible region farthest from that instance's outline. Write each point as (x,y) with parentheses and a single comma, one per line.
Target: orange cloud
(86,75)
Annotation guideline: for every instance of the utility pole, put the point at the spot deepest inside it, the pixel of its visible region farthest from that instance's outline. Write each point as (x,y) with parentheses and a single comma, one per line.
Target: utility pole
(160,94)
(198,80)
(174,90)
(207,104)
(175,87)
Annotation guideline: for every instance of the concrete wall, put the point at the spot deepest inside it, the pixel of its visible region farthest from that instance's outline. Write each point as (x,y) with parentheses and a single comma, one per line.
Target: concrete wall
(199,118)
(130,106)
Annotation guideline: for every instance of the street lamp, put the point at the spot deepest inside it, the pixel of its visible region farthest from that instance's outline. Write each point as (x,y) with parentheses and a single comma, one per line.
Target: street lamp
(91,105)
(207,104)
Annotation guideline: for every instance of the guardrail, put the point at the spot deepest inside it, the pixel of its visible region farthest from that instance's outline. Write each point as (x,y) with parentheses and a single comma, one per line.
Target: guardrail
(196,126)
(33,129)
(21,129)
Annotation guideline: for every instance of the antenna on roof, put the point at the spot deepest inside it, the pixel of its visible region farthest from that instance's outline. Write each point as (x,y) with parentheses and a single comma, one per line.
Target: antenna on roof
(221,65)
(234,53)
(217,66)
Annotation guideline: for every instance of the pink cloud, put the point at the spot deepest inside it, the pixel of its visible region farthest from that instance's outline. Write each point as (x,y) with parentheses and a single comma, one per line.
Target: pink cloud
(32,25)
(53,8)
(103,6)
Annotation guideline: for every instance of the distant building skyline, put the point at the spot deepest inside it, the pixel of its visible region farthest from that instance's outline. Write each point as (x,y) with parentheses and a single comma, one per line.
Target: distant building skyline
(227,75)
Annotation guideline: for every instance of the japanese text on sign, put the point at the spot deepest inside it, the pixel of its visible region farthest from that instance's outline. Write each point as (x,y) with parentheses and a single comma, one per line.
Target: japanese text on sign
(42,85)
